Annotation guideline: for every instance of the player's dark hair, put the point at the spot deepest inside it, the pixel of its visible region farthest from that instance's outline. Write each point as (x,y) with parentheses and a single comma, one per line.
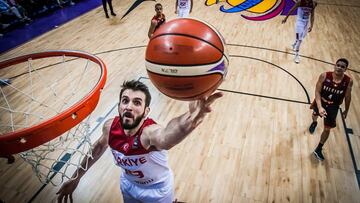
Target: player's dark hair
(343,60)
(158,4)
(136,85)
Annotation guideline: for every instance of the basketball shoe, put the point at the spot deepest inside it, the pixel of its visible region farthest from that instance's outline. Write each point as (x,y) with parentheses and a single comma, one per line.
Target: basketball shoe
(297,58)
(4,82)
(319,155)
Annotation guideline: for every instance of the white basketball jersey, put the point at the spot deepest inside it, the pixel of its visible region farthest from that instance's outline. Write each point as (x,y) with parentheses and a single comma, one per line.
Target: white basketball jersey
(304,13)
(145,169)
(140,166)
(183,4)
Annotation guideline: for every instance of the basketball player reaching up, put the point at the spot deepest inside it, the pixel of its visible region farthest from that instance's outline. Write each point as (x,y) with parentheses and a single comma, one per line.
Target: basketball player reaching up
(157,20)
(305,13)
(139,146)
(331,89)
(183,8)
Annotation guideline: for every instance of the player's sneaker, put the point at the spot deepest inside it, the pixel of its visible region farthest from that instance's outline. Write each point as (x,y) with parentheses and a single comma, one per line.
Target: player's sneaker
(4,82)
(318,154)
(297,58)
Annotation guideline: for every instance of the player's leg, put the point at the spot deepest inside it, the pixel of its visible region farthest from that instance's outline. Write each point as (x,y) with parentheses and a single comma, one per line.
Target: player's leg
(105,8)
(315,115)
(301,30)
(126,190)
(329,122)
(111,8)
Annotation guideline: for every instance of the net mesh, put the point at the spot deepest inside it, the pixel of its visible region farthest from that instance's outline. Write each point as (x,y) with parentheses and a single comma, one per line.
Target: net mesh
(39,90)
(61,156)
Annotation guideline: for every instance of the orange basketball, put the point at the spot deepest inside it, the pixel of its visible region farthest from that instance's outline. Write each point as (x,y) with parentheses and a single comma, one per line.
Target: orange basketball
(186,59)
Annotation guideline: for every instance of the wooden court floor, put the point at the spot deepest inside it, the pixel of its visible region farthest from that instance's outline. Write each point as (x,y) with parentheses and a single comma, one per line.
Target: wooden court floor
(255,145)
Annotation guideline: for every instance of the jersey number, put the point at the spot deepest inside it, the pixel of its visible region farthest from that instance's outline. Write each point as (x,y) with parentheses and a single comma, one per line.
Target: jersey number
(135,173)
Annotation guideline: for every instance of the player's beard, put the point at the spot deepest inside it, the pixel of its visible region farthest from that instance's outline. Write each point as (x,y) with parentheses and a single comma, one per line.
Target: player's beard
(136,122)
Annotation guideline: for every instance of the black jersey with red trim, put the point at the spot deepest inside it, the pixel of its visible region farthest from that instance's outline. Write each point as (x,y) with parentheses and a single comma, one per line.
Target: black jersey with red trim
(334,93)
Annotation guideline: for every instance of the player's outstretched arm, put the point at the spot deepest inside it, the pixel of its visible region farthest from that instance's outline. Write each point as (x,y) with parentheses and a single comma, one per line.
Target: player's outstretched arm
(178,128)
(296,5)
(98,150)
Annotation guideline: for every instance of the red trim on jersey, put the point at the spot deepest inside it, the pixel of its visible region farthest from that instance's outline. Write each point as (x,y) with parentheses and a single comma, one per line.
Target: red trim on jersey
(159,19)
(128,145)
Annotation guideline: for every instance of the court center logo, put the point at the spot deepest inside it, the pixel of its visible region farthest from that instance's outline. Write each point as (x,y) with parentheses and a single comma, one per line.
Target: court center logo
(259,10)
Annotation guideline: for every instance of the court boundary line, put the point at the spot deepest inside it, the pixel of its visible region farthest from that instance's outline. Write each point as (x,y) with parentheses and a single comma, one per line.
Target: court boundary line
(357,171)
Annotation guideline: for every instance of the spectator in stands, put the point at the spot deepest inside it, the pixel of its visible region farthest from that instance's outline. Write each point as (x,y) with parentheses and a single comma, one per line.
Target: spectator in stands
(7,10)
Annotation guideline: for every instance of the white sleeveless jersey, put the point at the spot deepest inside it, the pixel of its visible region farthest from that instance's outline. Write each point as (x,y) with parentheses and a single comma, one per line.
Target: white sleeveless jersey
(184,4)
(144,168)
(304,10)
(304,13)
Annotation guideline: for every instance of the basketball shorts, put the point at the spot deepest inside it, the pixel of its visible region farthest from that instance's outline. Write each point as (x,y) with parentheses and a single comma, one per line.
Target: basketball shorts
(301,28)
(331,110)
(154,194)
(183,12)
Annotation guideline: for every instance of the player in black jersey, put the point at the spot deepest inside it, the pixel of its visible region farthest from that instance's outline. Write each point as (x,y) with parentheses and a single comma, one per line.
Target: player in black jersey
(331,89)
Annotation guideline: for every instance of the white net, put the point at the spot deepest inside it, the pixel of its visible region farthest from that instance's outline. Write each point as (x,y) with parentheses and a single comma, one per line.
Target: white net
(37,91)
(62,156)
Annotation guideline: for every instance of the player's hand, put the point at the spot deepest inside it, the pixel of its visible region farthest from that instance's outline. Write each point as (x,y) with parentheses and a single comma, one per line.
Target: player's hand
(176,12)
(283,21)
(310,28)
(322,112)
(345,113)
(199,108)
(66,191)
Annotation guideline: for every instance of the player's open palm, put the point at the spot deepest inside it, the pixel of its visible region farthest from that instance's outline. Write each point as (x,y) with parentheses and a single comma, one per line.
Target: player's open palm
(66,191)
(199,108)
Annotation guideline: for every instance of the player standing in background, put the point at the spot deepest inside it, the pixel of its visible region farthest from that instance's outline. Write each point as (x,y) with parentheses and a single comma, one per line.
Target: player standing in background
(157,20)
(304,23)
(183,8)
(331,89)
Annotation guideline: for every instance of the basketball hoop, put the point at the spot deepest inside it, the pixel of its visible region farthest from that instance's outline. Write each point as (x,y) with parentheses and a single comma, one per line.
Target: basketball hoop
(49,84)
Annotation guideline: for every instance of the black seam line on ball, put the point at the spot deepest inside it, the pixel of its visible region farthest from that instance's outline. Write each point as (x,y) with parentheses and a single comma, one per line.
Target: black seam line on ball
(192,36)
(189,76)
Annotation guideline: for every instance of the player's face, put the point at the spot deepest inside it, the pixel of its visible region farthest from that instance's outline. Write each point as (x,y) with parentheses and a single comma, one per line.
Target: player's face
(132,109)
(158,10)
(340,68)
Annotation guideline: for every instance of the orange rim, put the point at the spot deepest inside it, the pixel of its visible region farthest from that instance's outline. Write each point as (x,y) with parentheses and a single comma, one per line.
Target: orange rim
(28,138)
